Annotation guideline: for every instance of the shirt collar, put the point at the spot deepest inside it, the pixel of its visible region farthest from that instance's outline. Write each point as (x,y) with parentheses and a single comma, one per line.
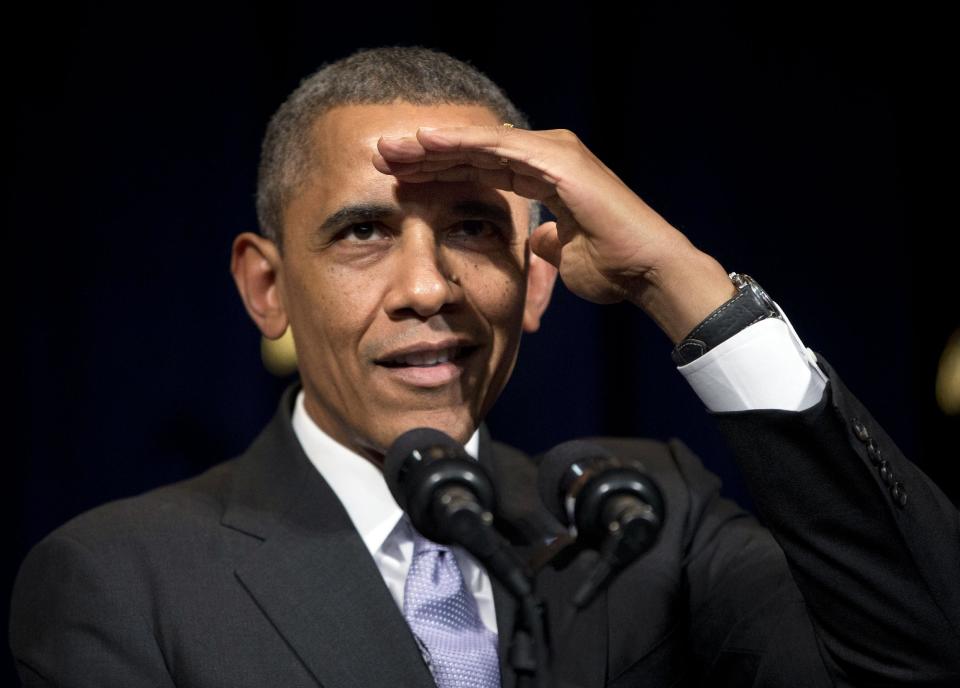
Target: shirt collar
(357,482)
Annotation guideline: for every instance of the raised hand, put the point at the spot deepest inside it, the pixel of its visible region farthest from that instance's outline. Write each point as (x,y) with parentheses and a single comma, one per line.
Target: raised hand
(607,244)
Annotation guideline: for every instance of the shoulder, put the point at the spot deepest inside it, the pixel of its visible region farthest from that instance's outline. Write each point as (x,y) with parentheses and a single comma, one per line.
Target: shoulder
(98,585)
(125,553)
(134,538)
(178,507)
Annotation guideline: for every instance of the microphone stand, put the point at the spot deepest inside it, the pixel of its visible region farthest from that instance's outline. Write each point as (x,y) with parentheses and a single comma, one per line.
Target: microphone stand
(529,655)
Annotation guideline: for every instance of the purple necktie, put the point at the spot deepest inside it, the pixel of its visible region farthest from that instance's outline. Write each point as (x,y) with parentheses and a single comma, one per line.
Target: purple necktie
(460,651)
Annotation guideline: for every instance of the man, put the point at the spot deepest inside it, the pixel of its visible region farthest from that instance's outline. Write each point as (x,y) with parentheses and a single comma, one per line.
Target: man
(395,206)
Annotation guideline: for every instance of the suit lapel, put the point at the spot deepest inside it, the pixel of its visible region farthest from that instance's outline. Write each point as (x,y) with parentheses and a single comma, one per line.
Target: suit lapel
(312,576)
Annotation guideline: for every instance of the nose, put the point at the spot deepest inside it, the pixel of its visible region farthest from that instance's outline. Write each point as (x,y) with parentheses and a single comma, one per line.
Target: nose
(422,281)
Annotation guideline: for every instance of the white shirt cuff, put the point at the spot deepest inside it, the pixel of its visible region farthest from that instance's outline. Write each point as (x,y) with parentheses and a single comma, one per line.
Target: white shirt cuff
(764,366)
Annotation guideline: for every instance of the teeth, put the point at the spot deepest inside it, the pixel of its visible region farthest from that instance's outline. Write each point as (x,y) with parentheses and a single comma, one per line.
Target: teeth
(427,358)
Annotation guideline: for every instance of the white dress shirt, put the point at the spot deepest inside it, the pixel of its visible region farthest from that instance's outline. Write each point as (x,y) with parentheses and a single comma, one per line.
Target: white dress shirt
(764,366)
(385,530)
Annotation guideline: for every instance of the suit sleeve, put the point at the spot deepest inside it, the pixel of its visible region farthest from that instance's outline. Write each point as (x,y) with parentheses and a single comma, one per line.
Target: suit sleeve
(73,625)
(872,544)
(748,624)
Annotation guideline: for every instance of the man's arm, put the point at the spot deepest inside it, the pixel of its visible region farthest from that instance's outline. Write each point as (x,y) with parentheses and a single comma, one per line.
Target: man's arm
(873,544)
(832,490)
(880,577)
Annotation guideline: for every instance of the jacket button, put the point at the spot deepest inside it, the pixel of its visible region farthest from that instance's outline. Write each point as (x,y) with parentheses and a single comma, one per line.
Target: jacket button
(886,473)
(860,430)
(899,494)
(873,451)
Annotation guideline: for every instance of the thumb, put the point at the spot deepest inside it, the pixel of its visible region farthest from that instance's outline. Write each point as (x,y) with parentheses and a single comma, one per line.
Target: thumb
(545,243)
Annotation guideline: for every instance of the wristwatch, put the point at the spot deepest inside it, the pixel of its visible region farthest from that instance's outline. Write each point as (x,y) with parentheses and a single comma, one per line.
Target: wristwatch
(750,305)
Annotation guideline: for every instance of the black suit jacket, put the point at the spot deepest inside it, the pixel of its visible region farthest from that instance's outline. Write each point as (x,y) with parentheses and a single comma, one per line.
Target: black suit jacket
(253,575)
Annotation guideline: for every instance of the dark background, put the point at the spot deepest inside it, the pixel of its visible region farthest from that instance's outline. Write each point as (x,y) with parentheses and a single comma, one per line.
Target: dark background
(803,145)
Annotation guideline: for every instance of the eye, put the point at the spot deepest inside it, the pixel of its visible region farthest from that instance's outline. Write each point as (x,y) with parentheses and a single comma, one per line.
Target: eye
(361,232)
(475,229)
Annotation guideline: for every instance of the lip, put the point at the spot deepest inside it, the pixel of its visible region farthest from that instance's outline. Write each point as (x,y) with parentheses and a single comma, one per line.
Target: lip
(425,348)
(427,376)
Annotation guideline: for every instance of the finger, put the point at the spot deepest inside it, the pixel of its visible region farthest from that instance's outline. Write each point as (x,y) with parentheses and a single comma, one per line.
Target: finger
(546,244)
(409,154)
(495,179)
(477,144)
(390,166)
(488,139)
(401,147)
(480,160)
(408,150)
(396,159)
(498,177)
(532,153)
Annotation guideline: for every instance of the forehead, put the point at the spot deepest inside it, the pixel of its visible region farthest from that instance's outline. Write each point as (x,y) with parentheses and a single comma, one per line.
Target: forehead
(344,141)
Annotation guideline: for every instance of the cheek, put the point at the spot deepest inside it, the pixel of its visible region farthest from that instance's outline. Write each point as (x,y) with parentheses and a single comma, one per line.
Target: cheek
(501,301)
(508,303)
(334,312)
(497,284)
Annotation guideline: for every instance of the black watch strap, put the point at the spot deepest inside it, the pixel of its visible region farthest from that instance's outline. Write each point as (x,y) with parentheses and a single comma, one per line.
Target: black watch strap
(750,305)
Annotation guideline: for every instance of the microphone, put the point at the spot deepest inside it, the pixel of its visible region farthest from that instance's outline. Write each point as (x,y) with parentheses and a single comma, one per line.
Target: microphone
(611,504)
(450,499)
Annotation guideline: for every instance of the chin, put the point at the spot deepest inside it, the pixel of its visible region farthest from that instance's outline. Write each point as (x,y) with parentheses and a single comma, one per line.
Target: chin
(458,423)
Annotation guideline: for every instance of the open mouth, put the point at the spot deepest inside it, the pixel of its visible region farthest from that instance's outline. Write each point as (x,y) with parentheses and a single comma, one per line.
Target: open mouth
(428,359)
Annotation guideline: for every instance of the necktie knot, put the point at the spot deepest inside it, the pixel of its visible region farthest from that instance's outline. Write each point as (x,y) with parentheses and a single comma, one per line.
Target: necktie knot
(422,545)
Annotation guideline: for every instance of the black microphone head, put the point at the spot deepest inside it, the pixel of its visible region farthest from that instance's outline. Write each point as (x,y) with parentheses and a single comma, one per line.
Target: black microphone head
(408,451)
(422,466)
(553,473)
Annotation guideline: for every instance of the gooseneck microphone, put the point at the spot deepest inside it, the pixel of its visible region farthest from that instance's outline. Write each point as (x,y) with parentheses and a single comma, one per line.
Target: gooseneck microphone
(613,506)
(450,499)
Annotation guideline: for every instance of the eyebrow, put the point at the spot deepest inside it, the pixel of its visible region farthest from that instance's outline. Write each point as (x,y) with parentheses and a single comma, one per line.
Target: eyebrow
(369,211)
(357,212)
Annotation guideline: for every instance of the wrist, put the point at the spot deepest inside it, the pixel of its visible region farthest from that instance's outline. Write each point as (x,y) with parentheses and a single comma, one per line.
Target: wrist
(679,296)
(750,305)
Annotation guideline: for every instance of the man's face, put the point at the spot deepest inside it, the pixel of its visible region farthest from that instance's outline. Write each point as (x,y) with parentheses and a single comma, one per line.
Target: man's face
(406,300)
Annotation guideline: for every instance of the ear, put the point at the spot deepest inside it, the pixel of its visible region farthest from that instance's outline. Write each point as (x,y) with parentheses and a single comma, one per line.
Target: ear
(541,277)
(256,267)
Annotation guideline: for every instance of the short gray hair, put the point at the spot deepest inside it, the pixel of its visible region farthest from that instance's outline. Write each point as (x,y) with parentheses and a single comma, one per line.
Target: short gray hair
(411,74)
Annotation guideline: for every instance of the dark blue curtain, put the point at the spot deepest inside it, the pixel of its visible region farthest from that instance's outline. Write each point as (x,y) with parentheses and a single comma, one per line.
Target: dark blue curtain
(799,144)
